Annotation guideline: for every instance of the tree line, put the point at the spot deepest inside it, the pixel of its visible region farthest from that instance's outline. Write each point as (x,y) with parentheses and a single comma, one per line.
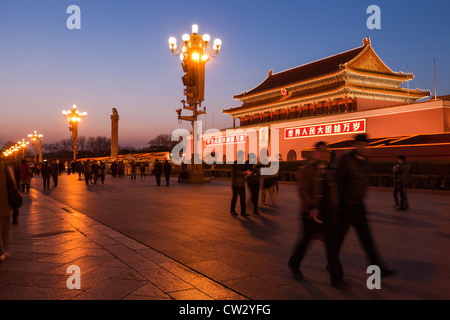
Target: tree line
(87,147)
(99,146)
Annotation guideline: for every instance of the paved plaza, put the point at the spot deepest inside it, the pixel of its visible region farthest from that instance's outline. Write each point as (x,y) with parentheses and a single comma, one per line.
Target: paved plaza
(134,240)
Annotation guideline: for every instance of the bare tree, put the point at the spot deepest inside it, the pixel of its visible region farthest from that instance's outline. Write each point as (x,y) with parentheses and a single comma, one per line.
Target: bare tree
(98,145)
(82,144)
(162,142)
(93,146)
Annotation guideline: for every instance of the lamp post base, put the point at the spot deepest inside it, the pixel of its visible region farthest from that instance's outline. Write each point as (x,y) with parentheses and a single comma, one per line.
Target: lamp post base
(196,174)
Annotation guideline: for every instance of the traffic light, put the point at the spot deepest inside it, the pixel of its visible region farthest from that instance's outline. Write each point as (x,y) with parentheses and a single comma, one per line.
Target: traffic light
(200,80)
(194,80)
(189,74)
(189,81)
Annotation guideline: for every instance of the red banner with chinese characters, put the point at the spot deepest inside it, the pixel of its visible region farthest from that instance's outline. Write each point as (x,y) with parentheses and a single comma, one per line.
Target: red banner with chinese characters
(325,129)
(239,138)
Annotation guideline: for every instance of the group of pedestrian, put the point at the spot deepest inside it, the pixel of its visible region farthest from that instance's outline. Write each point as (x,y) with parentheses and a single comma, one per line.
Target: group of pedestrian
(94,170)
(249,173)
(48,171)
(118,169)
(160,168)
(332,200)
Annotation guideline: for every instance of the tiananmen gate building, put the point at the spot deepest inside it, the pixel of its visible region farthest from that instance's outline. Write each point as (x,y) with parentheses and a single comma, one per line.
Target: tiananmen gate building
(333,99)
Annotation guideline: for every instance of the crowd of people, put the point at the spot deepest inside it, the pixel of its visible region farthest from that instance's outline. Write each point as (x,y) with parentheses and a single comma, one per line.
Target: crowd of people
(89,170)
(332,196)
(332,193)
(249,173)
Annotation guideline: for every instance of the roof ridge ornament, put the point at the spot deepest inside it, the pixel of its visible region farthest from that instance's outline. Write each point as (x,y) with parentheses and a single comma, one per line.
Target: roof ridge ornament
(270,72)
(366,41)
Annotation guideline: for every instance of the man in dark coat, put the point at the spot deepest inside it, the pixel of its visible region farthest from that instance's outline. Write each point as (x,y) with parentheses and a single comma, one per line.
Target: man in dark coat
(46,172)
(158,169)
(167,171)
(320,205)
(401,181)
(253,169)
(238,175)
(95,171)
(352,178)
(54,172)
(114,169)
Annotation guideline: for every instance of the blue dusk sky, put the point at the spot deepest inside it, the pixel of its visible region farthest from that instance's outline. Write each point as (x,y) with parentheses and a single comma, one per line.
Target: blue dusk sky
(120,57)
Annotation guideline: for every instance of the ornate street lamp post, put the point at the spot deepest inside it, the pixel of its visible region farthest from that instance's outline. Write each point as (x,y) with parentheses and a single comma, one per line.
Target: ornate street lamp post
(74,116)
(194,53)
(23,145)
(35,137)
(7,153)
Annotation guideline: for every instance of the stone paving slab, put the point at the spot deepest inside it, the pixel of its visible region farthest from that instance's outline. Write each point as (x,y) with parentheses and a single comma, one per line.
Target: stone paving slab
(51,237)
(136,241)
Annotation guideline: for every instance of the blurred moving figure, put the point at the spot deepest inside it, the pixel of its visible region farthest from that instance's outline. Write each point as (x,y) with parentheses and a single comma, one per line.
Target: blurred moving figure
(352,179)
(401,180)
(319,210)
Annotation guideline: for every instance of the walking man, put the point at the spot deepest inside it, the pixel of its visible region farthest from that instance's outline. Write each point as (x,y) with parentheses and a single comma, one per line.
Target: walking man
(352,179)
(254,173)
(158,171)
(320,205)
(167,171)
(95,171)
(238,174)
(401,180)
(142,169)
(46,173)
(54,168)
(87,171)
(17,173)
(5,209)
(25,175)
(102,171)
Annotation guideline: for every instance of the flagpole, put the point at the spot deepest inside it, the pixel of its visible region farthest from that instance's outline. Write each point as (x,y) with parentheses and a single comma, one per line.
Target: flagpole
(435,97)
(407,81)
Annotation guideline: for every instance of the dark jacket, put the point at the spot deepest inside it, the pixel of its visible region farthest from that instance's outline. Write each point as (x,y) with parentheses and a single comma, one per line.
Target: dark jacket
(158,168)
(46,171)
(352,175)
(238,174)
(95,167)
(312,191)
(25,172)
(17,174)
(54,169)
(167,168)
(401,173)
(255,171)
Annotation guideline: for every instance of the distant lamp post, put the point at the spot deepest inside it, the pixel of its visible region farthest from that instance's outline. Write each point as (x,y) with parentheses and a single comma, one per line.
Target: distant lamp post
(35,137)
(23,145)
(8,152)
(15,149)
(74,116)
(194,52)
